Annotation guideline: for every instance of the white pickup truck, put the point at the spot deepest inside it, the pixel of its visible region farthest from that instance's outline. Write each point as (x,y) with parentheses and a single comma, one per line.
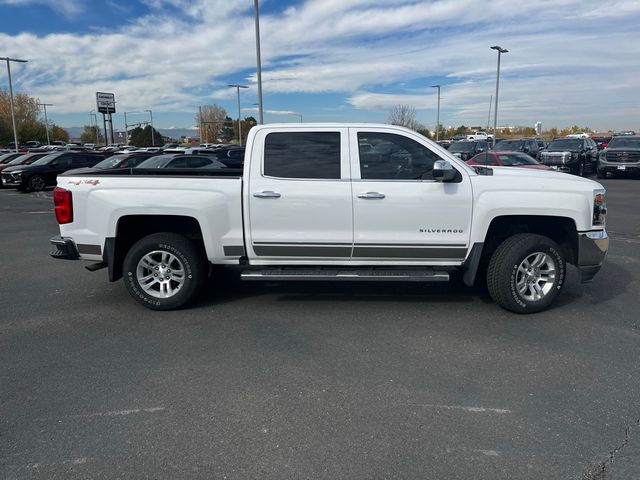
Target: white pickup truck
(335,202)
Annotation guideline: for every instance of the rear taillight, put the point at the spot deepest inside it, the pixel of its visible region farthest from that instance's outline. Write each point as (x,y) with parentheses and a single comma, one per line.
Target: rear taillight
(63,203)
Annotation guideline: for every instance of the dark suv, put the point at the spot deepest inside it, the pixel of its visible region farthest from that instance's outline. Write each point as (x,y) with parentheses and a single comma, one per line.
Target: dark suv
(465,149)
(43,172)
(570,154)
(622,155)
(524,145)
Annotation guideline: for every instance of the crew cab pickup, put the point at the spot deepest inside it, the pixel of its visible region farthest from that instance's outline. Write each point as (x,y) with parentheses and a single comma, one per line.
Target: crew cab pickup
(335,202)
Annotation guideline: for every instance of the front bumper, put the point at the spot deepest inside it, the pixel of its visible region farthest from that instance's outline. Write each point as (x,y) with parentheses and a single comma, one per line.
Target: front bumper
(9,180)
(65,249)
(615,167)
(592,250)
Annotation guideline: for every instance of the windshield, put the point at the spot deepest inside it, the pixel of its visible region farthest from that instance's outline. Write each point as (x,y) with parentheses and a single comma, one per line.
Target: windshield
(156,162)
(110,162)
(462,147)
(510,145)
(621,142)
(23,160)
(565,144)
(513,159)
(7,157)
(47,159)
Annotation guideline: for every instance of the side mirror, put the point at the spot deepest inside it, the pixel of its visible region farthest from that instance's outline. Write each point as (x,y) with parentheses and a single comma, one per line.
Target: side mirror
(444,171)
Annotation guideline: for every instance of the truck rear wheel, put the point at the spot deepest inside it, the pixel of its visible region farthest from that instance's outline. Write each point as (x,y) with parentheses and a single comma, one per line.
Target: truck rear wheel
(526,273)
(164,271)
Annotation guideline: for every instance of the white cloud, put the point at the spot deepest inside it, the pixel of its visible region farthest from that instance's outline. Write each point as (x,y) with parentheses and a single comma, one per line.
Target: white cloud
(66,7)
(569,62)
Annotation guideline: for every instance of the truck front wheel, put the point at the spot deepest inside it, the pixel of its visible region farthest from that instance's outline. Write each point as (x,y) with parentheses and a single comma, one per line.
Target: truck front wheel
(526,273)
(164,271)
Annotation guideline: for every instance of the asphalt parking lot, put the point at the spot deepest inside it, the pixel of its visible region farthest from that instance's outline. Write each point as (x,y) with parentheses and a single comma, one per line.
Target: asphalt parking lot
(314,380)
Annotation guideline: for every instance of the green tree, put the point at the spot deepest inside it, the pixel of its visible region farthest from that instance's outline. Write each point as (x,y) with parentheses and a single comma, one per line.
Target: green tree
(211,120)
(30,130)
(58,133)
(26,111)
(89,133)
(141,137)
(246,124)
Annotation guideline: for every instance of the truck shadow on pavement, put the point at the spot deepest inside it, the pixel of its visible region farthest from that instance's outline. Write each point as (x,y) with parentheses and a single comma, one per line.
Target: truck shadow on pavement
(225,286)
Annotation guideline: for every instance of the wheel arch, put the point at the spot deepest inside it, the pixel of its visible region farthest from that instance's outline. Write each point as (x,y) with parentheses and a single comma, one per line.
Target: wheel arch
(131,228)
(562,230)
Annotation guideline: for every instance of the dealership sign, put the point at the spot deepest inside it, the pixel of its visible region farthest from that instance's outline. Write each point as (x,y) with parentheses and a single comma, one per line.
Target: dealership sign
(106,102)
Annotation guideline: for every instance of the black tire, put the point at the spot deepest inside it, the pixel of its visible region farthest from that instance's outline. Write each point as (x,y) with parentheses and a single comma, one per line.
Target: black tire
(36,183)
(170,251)
(579,169)
(601,173)
(506,275)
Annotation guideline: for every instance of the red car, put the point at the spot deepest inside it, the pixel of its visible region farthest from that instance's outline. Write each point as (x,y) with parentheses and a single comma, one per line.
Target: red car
(506,159)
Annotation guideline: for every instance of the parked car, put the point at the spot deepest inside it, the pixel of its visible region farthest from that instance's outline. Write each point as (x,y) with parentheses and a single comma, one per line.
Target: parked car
(43,172)
(445,143)
(465,149)
(119,160)
(601,142)
(7,157)
(234,157)
(542,143)
(525,145)
(570,154)
(621,156)
(506,159)
(22,159)
(181,161)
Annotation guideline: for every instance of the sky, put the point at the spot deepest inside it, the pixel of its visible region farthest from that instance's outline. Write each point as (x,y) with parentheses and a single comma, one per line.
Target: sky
(570,62)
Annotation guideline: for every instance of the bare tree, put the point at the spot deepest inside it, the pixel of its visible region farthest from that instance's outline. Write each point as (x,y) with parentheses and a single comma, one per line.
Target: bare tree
(405,116)
(211,119)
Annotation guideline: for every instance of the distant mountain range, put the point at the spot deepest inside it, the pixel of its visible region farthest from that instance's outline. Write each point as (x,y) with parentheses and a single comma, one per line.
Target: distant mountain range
(75,132)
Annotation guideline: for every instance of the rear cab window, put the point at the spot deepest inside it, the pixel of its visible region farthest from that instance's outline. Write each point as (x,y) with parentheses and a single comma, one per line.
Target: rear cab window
(303,155)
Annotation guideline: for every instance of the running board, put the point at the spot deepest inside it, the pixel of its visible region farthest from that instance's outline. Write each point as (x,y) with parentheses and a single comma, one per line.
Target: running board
(324,274)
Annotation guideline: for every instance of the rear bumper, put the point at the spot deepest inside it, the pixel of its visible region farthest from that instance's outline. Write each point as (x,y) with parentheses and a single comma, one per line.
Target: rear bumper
(64,249)
(592,250)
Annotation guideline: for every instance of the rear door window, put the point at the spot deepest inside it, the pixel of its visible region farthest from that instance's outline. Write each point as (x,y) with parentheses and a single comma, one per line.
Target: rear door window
(305,155)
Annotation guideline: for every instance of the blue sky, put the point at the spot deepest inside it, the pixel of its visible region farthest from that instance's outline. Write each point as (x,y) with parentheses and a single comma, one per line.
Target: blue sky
(569,61)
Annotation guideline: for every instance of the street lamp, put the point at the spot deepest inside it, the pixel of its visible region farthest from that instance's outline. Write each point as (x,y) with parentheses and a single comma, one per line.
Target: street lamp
(46,121)
(93,120)
(438,117)
(152,139)
(258,61)
(238,87)
(13,115)
(495,110)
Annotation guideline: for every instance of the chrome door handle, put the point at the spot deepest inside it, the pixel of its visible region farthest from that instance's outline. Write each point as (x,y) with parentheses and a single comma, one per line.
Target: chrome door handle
(267,194)
(372,195)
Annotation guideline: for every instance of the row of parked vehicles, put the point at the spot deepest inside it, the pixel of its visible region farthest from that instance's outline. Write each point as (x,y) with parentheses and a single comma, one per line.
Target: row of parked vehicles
(36,170)
(575,154)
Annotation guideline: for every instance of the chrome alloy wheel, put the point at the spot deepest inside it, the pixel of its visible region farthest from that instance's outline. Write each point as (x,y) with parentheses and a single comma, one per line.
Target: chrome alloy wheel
(160,274)
(536,276)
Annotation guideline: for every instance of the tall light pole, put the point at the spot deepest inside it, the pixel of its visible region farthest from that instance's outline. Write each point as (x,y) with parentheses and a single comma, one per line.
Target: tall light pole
(13,114)
(46,120)
(438,116)
(297,115)
(152,139)
(93,120)
(258,60)
(238,87)
(495,110)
